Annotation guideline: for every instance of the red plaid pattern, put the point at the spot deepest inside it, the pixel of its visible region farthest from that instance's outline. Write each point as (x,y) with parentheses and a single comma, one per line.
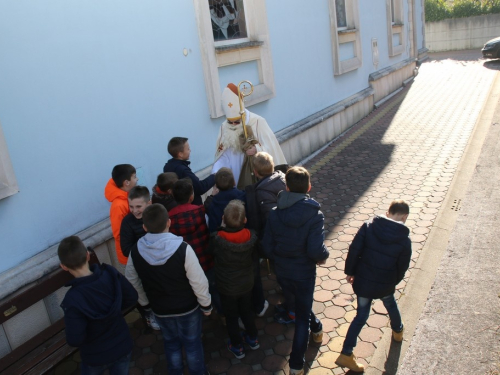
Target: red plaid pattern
(188,221)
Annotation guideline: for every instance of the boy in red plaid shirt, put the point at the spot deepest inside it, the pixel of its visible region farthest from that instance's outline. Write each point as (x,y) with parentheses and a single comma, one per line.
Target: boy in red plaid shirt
(188,221)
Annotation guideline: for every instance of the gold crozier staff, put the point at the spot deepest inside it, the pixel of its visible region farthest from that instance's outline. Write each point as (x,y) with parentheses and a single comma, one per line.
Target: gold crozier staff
(247,139)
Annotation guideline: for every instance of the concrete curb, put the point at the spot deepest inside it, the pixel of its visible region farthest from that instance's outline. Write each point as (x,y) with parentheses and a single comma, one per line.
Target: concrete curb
(389,354)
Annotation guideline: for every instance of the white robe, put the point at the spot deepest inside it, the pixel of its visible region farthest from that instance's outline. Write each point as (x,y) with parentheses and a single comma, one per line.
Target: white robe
(227,156)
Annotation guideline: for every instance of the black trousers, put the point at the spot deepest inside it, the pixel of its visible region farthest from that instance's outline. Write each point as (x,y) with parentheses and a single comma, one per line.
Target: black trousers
(239,307)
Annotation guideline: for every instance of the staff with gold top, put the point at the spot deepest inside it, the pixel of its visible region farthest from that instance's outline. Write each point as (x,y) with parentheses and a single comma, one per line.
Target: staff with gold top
(242,135)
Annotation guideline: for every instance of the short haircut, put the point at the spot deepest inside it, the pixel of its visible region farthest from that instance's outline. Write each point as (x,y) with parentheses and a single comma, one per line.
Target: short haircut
(72,252)
(121,173)
(400,207)
(166,181)
(224,179)
(234,214)
(139,192)
(298,180)
(263,164)
(182,190)
(155,218)
(176,145)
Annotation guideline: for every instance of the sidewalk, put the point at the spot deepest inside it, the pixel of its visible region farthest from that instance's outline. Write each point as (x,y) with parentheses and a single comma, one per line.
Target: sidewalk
(409,148)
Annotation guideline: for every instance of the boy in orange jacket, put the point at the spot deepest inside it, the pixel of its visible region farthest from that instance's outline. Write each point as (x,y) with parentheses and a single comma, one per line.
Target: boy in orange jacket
(123,178)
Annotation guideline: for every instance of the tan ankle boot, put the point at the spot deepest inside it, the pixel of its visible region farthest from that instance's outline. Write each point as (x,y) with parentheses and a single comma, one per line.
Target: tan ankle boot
(398,336)
(350,362)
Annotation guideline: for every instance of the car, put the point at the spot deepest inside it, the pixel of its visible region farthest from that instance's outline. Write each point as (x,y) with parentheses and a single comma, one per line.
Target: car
(492,49)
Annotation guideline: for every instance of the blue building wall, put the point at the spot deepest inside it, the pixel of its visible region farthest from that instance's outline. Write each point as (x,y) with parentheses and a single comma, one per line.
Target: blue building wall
(85,85)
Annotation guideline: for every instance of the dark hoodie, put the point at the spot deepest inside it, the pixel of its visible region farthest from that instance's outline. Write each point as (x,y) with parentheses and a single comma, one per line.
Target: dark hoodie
(293,236)
(233,250)
(93,315)
(378,257)
(182,169)
(219,201)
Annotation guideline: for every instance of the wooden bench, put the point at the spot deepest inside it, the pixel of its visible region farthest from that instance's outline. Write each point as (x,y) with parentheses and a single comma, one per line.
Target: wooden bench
(46,349)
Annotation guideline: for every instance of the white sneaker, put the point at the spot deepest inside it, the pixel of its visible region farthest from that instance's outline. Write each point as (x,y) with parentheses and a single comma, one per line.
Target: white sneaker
(266,305)
(151,321)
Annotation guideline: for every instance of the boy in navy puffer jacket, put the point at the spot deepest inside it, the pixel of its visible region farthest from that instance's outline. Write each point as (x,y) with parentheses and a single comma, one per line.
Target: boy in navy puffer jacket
(293,238)
(378,258)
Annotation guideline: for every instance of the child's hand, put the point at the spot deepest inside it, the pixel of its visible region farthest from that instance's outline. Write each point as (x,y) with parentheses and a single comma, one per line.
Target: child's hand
(215,190)
(350,279)
(251,151)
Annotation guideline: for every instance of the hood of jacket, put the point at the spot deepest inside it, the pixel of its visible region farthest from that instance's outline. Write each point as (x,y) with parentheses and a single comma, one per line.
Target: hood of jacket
(97,296)
(157,248)
(389,231)
(112,192)
(270,182)
(295,209)
(234,247)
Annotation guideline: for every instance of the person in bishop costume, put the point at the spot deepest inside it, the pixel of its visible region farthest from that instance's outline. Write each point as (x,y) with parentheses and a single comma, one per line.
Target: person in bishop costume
(234,150)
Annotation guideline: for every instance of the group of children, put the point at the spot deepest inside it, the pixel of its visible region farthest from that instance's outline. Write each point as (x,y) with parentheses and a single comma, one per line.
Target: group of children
(179,265)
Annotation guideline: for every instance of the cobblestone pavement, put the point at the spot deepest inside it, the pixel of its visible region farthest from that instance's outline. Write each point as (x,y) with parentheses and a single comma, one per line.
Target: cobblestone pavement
(409,148)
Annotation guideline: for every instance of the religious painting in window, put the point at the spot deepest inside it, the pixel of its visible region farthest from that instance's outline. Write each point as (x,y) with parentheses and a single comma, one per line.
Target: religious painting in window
(228,19)
(341,14)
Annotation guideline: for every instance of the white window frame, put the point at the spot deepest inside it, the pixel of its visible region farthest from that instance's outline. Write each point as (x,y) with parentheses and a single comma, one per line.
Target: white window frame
(395,25)
(8,181)
(350,34)
(216,55)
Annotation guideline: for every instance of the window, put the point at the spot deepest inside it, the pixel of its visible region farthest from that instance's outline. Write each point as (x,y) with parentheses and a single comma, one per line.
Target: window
(346,37)
(395,29)
(228,19)
(234,32)
(8,182)
(341,16)
(393,20)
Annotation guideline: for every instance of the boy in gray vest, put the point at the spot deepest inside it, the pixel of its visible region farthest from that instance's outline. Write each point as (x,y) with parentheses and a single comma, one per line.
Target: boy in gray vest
(167,275)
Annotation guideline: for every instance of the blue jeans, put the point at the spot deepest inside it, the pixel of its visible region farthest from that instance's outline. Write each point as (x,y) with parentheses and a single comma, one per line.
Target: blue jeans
(118,367)
(302,291)
(362,314)
(183,331)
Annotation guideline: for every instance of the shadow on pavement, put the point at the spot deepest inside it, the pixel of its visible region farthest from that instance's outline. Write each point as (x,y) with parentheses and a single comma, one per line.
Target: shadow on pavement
(392,362)
(492,64)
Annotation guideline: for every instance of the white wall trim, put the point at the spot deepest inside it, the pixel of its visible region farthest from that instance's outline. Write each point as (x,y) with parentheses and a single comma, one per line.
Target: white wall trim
(8,181)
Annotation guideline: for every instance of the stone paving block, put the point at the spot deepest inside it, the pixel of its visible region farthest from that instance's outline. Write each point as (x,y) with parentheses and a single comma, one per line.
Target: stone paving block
(329,325)
(342,329)
(320,371)
(327,359)
(274,363)
(343,300)
(335,344)
(370,334)
(323,295)
(334,312)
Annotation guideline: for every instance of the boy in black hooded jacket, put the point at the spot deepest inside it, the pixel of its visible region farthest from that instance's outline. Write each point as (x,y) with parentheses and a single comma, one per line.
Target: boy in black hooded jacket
(293,238)
(93,310)
(234,247)
(378,258)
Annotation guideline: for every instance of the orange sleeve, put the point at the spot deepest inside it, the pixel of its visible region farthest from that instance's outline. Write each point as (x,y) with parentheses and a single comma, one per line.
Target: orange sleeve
(119,209)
